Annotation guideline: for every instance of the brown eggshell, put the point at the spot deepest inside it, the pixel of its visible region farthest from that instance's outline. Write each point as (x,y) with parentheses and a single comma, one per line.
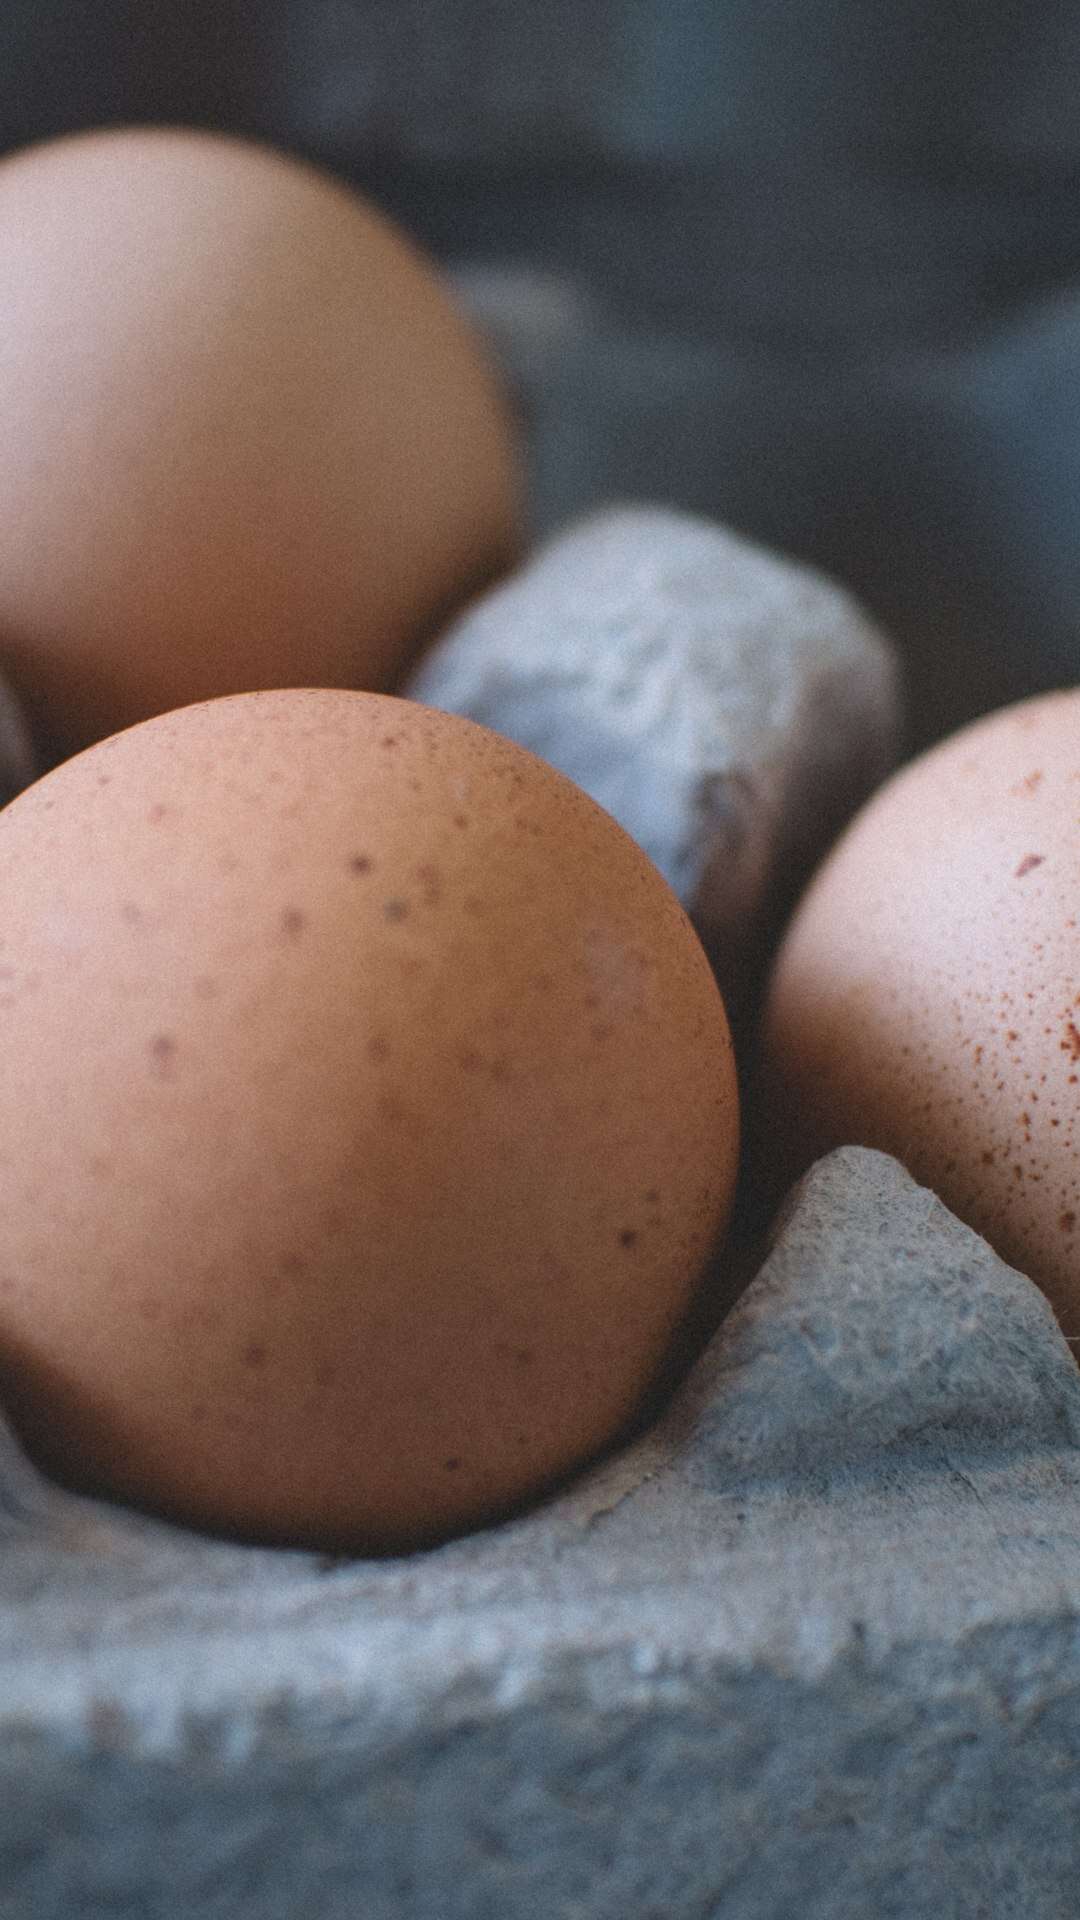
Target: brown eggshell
(248,440)
(368,1117)
(926,999)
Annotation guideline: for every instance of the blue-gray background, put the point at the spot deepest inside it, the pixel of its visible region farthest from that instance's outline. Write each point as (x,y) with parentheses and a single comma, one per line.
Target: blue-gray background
(836,247)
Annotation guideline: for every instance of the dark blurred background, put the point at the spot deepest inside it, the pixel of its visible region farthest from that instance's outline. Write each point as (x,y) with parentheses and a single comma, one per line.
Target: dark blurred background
(813,269)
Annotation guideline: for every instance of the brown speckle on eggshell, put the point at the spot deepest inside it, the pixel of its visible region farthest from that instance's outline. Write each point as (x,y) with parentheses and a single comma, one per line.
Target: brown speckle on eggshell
(926,998)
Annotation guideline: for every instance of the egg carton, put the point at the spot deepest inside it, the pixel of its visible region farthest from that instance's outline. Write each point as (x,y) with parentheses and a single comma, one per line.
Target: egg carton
(937,477)
(808,1644)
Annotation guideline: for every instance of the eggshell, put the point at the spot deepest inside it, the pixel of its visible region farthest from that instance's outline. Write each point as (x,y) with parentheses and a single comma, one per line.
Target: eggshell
(248,439)
(926,999)
(367,1120)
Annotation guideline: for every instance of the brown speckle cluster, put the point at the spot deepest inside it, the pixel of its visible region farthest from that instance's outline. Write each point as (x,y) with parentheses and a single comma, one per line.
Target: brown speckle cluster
(924,1003)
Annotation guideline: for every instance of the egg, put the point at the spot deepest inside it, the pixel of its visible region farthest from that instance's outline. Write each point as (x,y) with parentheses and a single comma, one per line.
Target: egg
(367,1123)
(248,439)
(926,997)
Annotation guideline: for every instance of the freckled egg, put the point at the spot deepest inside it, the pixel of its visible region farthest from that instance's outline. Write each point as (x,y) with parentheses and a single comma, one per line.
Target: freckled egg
(367,1122)
(248,440)
(926,998)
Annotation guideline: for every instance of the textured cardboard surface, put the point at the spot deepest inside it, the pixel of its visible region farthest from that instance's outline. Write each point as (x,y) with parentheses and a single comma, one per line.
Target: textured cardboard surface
(811,1646)
(729,707)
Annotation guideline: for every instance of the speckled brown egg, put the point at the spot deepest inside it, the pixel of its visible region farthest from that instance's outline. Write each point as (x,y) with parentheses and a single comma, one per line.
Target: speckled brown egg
(367,1120)
(248,440)
(926,999)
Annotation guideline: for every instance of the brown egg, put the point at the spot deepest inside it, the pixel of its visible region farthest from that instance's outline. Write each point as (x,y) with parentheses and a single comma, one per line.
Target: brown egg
(368,1117)
(926,999)
(248,440)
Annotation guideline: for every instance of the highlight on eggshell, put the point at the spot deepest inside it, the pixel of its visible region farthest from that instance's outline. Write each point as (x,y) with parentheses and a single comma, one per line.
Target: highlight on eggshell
(926,997)
(249,439)
(368,1118)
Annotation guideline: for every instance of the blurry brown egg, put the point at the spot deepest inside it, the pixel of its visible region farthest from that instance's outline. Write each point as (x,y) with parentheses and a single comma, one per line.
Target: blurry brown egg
(368,1118)
(926,999)
(248,440)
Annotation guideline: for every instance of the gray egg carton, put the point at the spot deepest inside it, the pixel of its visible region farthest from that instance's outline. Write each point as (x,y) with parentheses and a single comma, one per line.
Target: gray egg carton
(808,1646)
